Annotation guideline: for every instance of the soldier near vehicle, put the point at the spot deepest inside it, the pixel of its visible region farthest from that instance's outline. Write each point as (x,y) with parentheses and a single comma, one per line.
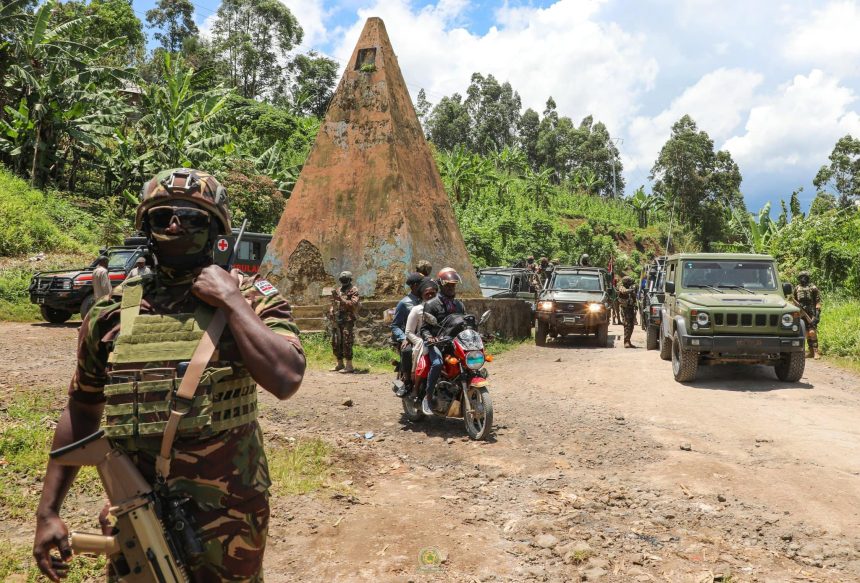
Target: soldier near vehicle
(139,268)
(584,260)
(344,303)
(627,300)
(808,298)
(172,361)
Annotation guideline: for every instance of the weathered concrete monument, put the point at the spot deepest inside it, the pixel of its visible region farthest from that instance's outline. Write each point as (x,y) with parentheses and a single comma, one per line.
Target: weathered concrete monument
(369,199)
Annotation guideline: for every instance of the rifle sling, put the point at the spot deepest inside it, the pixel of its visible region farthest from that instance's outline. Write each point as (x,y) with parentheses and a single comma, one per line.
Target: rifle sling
(187,388)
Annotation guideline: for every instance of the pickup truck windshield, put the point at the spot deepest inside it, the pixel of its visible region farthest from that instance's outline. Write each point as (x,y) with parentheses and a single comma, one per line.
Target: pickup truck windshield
(119,259)
(495,280)
(752,275)
(576,281)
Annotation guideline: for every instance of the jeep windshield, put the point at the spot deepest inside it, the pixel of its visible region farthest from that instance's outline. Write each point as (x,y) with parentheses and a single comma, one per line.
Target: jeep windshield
(495,280)
(119,259)
(742,275)
(576,282)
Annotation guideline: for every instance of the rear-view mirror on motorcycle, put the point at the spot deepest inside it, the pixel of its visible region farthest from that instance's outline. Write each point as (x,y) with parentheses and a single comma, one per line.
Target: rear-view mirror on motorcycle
(484,317)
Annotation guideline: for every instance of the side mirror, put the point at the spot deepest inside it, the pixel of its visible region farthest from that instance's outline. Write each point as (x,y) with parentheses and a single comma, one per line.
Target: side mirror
(670,287)
(484,317)
(430,319)
(787,289)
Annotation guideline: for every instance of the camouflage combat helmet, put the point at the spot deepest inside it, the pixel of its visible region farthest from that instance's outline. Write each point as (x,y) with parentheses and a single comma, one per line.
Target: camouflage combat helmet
(627,281)
(186,184)
(803,274)
(345,276)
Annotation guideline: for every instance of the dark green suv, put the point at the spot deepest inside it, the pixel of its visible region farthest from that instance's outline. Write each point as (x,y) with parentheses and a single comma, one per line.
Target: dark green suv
(729,308)
(574,301)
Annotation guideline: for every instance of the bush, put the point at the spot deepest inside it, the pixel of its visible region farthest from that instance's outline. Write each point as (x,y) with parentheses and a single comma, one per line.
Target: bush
(839,330)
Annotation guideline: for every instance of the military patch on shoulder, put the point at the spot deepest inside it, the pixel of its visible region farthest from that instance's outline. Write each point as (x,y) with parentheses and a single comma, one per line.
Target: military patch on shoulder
(265,288)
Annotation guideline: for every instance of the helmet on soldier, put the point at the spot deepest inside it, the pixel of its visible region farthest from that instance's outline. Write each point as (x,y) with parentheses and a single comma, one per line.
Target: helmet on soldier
(627,281)
(345,277)
(185,184)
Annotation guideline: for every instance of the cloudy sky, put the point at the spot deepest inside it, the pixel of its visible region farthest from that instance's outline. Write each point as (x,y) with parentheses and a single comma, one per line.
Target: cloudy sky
(774,82)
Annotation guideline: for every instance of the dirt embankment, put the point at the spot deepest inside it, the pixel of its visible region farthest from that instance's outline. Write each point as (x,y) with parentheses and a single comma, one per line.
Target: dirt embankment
(601,468)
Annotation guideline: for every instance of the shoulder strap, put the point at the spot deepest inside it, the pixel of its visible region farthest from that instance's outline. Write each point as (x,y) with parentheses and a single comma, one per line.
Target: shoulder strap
(187,387)
(132,294)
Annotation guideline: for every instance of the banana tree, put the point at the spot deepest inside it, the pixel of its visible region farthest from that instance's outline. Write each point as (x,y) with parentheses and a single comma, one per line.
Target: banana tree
(757,230)
(641,204)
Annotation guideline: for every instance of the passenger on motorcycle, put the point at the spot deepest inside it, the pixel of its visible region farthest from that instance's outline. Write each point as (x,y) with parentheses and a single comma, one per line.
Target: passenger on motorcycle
(427,290)
(444,304)
(398,332)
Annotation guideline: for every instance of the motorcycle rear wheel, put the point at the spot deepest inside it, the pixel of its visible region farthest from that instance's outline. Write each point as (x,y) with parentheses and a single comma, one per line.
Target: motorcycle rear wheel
(413,412)
(479,422)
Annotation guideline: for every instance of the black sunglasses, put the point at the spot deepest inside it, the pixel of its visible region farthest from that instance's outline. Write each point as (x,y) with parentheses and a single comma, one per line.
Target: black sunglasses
(190,218)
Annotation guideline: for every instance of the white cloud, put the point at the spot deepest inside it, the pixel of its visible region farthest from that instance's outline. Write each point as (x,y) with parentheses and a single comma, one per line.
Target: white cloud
(718,102)
(796,127)
(563,51)
(828,38)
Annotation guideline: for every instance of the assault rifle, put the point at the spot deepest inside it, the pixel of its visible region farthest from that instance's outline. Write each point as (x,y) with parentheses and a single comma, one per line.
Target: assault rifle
(152,538)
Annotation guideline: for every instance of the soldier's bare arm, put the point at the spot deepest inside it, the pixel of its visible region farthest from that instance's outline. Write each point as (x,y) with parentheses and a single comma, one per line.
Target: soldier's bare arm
(77,421)
(275,361)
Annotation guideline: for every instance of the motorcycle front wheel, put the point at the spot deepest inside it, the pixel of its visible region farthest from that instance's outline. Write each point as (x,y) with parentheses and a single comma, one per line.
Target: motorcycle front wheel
(412,409)
(479,418)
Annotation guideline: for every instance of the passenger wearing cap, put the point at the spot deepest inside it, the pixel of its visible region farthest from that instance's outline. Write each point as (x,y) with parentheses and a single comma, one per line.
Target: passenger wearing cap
(139,268)
(398,329)
(344,304)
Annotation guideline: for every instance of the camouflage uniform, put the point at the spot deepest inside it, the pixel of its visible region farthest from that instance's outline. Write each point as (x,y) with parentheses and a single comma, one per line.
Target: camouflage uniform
(807,296)
(342,316)
(614,308)
(627,299)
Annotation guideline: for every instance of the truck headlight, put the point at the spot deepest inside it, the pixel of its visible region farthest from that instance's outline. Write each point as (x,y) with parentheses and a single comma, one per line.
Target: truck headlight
(702,319)
(67,284)
(787,320)
(594,308)
(546,306)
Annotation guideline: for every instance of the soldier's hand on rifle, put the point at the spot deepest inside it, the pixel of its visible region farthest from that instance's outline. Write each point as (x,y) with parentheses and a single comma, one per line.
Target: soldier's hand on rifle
(51,533)
(216,287)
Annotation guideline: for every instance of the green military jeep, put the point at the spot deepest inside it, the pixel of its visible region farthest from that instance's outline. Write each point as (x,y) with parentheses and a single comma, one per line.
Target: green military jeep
(729,308)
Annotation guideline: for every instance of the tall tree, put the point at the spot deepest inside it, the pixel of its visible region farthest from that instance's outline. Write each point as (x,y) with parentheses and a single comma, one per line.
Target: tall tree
(255,37)
(794,204)
(529,129)
(109,19)
(842,175)
(314,78)
(423,107)
(448,126)
(174,20)
(698,182)
(494,111)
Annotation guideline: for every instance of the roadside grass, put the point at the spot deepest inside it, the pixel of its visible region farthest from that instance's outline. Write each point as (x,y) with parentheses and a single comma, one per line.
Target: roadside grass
(299,468)
(27,423)
(372,358)
(17,561)
(839,331)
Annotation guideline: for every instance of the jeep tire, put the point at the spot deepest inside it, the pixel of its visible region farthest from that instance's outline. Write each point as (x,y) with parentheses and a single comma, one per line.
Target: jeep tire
(665,346)
(790,366)
(651,340)
(55,316)
(86,305)
(685,363)
(540,333)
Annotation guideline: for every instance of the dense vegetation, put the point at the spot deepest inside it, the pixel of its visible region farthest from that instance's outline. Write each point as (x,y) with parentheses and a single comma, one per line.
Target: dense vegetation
(87,114)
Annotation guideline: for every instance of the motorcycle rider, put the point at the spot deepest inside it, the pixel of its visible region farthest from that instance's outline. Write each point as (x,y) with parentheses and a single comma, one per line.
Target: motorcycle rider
(398,332)
(443,305)
(427,290)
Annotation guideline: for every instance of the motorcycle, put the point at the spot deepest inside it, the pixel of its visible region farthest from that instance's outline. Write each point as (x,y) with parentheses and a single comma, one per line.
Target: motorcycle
(462,389)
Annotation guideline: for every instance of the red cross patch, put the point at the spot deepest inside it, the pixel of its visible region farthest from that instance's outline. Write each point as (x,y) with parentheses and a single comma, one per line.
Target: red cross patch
(222,245)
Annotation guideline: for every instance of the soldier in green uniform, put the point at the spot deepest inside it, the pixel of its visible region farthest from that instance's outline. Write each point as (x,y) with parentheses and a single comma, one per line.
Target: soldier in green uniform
(807,296)
(344,303)
(627,299)
(133,349)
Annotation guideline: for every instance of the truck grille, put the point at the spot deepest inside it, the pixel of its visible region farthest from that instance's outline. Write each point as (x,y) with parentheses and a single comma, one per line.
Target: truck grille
(43,284)
(746,320)
(572,308)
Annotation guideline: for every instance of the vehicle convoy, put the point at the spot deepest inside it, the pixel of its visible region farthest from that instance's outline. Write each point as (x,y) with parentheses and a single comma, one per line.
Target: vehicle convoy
(62,293)
(462,389)
(729,308)
(574,301)
(505,282)
(651,301)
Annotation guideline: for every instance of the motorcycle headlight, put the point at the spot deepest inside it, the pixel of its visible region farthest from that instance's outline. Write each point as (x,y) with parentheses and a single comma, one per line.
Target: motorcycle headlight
(474,359)
(594,308)
(702,319)
(787,320)
(546,306)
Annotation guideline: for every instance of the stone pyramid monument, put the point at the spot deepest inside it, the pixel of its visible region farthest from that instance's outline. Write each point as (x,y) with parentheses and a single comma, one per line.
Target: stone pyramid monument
(369,198)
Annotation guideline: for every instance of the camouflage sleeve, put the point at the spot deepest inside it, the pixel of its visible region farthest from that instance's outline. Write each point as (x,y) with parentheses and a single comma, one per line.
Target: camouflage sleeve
(90,375)
(352,299)
(272,308)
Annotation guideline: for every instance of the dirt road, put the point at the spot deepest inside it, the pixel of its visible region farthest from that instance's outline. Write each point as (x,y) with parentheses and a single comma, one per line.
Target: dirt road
(585,477)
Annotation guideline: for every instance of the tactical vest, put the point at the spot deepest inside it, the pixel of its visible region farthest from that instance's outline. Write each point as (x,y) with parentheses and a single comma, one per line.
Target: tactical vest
(805,294)
(141,394)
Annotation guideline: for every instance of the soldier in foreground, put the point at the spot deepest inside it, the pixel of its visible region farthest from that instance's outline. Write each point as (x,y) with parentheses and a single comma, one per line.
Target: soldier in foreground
(134,350)
(627,299)
(807,296)
(344,303)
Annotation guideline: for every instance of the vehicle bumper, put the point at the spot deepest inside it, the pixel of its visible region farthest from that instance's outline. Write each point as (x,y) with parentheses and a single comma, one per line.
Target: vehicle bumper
(64,300)
(743,345)
(574,323)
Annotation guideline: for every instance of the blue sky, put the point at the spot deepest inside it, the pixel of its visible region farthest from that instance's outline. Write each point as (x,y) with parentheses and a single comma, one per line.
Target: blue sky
(774,82)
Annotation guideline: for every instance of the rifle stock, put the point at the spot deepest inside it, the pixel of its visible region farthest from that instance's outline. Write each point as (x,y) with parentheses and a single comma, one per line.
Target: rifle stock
(139,551)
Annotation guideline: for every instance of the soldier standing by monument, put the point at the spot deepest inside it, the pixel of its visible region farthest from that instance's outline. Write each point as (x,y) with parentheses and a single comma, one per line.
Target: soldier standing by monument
(212,462)
(344,303)
(627,298)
